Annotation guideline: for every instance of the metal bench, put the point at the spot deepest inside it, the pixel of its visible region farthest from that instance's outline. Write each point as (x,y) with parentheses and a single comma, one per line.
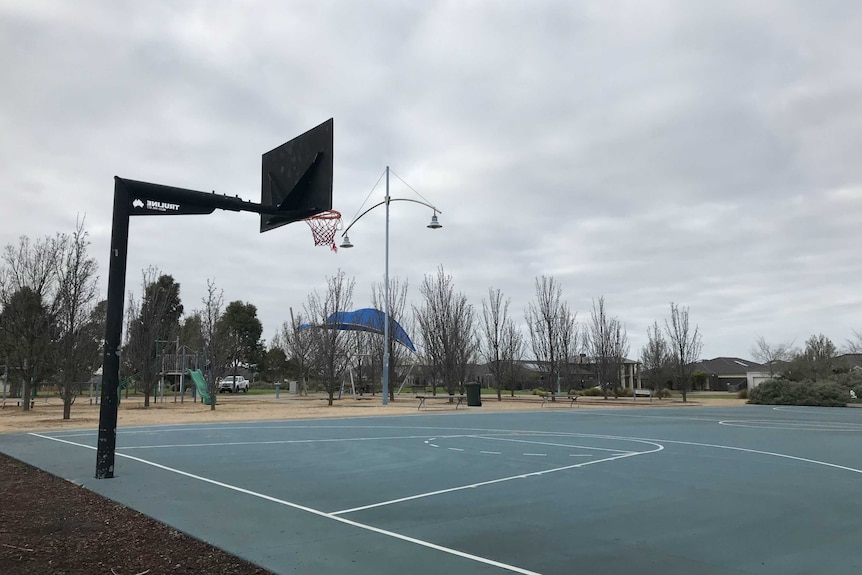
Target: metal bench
(572,399)
(457,399)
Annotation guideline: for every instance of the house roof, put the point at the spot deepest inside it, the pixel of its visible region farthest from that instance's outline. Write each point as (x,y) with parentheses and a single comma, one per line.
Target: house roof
(853,360)
(727,366)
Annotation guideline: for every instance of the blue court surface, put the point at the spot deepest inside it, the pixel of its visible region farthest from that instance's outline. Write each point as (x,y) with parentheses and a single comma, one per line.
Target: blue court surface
(751,489)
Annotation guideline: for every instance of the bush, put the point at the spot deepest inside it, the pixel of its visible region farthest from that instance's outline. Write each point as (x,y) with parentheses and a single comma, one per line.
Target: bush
(806,392)
(591,392)
(742,393)
(539,391)
(625,392)
(666,393)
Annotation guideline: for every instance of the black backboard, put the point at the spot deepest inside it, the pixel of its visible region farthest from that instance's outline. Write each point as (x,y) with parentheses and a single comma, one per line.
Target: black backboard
(297,177)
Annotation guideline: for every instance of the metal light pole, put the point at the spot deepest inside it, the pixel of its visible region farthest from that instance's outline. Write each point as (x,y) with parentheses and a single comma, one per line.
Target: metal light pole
(345,243)
(386,303)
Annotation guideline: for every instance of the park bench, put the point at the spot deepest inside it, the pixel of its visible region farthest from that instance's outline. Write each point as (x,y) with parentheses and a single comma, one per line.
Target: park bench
(17,401)
(456,399)
(548,398)
(642,393)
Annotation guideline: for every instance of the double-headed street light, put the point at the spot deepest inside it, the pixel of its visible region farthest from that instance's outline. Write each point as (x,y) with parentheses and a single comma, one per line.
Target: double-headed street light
(345,243)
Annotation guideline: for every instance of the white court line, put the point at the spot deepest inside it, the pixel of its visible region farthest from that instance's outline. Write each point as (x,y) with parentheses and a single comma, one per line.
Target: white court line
(612,414)
(454,449)
(658,447)
(785,425)
(279,442)
(312,511)
(492,438)
(743,449)
(535,454)
(190,428)
(492,452)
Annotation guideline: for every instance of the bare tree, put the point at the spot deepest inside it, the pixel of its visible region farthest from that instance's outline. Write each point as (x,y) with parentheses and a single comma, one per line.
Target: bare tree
(854,344)
(502,343)
(657,359)
(446,328)
(619,350)
(332,346)
(685,344)
(27,286)
(512,351)
(607,343)
(495,328)
(569,346)
(772,355)
(217,343)
(77,330)
(398,354)
(299,348)
(551,324)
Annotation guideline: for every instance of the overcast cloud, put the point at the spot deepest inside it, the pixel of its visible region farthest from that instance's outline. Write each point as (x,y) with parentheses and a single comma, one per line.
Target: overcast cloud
(705,153)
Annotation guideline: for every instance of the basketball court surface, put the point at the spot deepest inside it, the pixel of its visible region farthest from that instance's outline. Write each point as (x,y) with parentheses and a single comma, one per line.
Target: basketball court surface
(661,491)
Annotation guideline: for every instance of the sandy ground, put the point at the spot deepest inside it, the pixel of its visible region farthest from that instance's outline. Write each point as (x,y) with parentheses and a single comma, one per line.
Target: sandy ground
(47,414)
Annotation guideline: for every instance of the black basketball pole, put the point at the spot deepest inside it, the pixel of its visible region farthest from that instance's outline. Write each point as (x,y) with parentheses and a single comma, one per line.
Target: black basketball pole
(296,183)
(169,201)
(113,329)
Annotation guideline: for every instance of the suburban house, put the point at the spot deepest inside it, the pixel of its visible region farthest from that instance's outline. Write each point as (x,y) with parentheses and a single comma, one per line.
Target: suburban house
(848,361)
(727,373)
(579,374)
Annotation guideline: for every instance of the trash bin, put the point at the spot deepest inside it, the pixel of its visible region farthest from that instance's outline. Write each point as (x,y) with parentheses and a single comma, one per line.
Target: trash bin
(474,394)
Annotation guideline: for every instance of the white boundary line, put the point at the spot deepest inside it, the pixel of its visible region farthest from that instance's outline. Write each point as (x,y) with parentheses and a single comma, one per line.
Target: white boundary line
(312,511)
(502,479)
(492,438)
(783,424)
(759,452)
(281,441)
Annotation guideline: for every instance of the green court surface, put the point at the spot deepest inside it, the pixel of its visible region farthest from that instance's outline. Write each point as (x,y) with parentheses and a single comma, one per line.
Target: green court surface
(709,491)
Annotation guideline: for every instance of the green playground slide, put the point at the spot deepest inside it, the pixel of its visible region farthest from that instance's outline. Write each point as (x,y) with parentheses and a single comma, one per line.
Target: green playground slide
(201,384)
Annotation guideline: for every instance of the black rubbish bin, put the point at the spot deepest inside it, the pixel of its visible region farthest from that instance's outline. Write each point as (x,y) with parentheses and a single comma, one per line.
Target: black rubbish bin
(474,394)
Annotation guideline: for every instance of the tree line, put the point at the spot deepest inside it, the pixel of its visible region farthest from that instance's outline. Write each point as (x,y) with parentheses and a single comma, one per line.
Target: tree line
(52,329)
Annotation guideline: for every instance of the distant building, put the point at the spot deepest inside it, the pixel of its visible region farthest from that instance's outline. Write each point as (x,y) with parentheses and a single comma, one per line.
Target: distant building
(727,373)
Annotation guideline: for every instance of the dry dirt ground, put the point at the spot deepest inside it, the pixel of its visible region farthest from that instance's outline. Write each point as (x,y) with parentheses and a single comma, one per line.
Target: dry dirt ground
(51,526)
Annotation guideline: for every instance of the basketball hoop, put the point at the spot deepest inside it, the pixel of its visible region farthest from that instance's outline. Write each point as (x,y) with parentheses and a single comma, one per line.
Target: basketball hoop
(323,227)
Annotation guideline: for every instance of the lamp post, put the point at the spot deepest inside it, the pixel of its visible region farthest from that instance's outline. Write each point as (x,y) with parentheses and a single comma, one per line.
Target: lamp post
(581,367)
(345,243)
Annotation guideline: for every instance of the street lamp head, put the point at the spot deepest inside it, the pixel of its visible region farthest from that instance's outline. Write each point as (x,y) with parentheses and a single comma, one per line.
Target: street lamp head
(345,242)
(435,225)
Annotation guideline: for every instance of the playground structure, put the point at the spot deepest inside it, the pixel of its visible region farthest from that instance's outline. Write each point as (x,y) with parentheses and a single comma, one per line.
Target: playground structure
(201,386)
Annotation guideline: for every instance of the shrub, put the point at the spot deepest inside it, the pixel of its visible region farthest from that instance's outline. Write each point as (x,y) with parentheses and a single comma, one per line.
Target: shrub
(666,393)
(742,393)
(625,392)
(592,392)
(806,392)
(539,391)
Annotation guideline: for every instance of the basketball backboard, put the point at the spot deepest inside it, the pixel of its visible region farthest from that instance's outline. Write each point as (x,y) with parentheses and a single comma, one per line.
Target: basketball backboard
(297,177)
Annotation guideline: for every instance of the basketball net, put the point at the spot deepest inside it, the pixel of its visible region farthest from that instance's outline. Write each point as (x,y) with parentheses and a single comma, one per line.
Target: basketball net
(323,227)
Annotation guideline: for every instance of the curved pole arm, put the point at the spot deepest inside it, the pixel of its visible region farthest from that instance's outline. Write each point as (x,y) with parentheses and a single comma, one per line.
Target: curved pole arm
(359,217)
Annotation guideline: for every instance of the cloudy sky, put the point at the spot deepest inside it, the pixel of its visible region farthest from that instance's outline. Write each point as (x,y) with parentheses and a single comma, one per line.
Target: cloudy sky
(703,153)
